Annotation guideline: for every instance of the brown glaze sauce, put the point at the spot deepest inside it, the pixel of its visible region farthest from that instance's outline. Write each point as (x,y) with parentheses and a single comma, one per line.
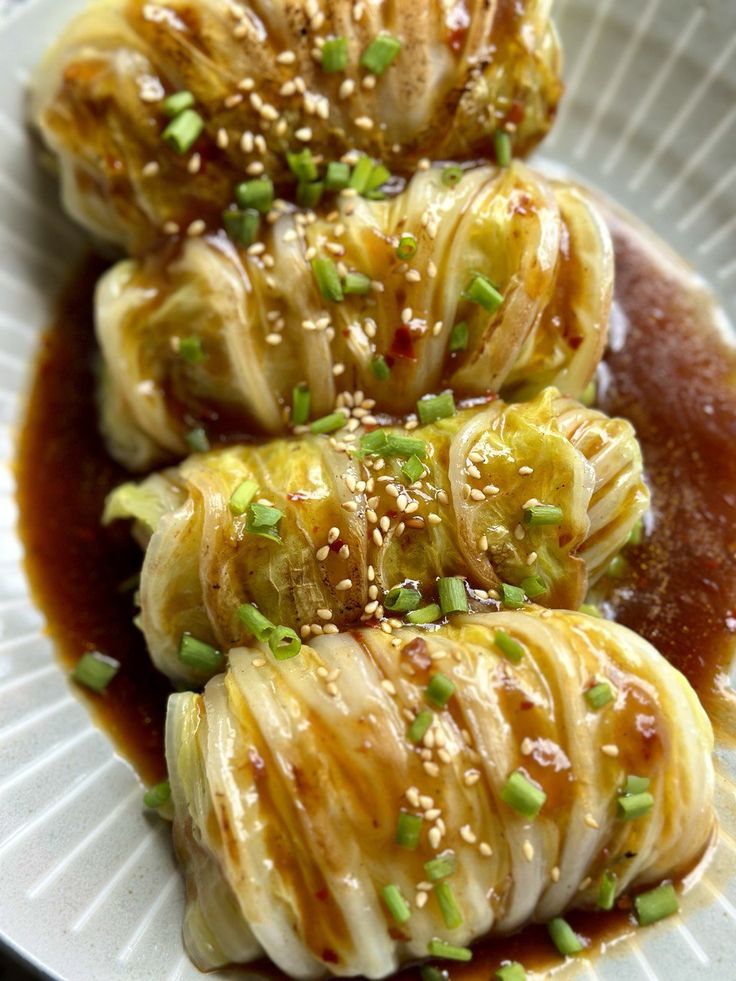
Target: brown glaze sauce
(668,371)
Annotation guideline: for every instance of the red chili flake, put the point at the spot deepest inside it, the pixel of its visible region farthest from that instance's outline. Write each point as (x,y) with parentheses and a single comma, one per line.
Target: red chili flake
(337,545)
(516,112)
(417,652)
(297,496)
(323,894)
(402,345)
(329,956)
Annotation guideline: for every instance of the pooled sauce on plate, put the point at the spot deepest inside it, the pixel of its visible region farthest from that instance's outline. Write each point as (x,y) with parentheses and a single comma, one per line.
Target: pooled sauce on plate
(668,371)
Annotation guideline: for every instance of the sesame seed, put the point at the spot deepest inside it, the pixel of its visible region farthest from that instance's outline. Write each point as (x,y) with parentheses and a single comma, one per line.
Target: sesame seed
(420,900)
(331,688)
(196,228)
(304,133)
(555,874)
(151,169)
(525,471)
(377,537)
(286,58)
(258,662)
(233,100)
(467,834)
(344,585)
(255,169)
(471,777)
(473,471)
(331,628)
(528,850)
(274,339)
(584,884)
(431,769)
(519,532)
(316,628)
(349,506)
(435,835)
(437,329)
(609,750)
(477,495)
(387,628)
(406,315)
(526,746)
(344,552)
(434,519)
(432,814)
(371,573)
(324,614)
(246,84)
(388,686)
(364,122)
(483,543)
(531,503)
(346,89)
(370,608)
(369,82)
(485,849)
(531,558)
(305,630)
(444,755)
(322,553)
(413,276)
(424,164)
(442,497)
(591,822)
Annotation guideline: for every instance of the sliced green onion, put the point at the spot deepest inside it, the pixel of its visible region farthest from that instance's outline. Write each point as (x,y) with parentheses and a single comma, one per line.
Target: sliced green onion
(510,972)
(256,194)
(328,278)
(361,174)
(436,407)
(338,175)
(407,446)
(335,54)
(95,670)
(635,785)
(301,399)
(264,521)
(375,443)
(591,610)
(523,796)
(255,622)
(402,599)
(329,424)
(197,440)
(396,904)
(380,368)
(197,654)
(380,53)
(564,937)
(502,147)
(459,337)
(408,830)
(302,165)
(452,594)
(421,723)
(241,226)
(451,914)
(440,867)
(509,646)
(183,131)
(452,175)
(157,795)
(512,596)
(242,496)
(356,282)
(606,891)
(656,904)
(599,695)
(191,350)
(533,586)
(635,535)
(543,514)
(284,643)
(617,567)
(634,806)
(412,469)
(309,193)
(429,973)
(407,247)
(177,102)
(590,394)
(481,290)
(426,614)
(449,952)
(440,690)
(378,177)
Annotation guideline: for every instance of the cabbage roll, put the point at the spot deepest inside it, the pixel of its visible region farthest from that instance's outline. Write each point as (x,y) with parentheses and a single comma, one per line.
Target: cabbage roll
(397,81)
(508,286)
(321,532)
(315,796)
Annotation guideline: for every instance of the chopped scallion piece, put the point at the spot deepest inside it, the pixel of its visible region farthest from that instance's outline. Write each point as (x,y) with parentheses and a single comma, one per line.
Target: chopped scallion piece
(255,622)
(452,175)
(356,282)
(177,102)
(408,830)
(191,350)
(407,247)
(328,278)
(523,796)
(157,795)
(197,654)
(421,723)
(635,535)
(636,785)
(309,193)
(378,177)
(412,469)
(330,423)
(197,440)
(590,394)
(452,594)
(380,53)
(449,908)
(599,695)
(510,972)
(533,586)
(95,670)
(426,614)
(284,643)
(617,567)
(302,165)
(241,226)
(361,174)
(439,690)
(256,194)
(502,147)
(481,290)
(543,514)
(512,596)
(301,399)
(402,600)
(380,368)
(591,610)
(564,937)
(183,131)
(449,952)
(375,443)
(656,904)
(436,407)
(338,175)
(440,867)
(264,521)
(606,891)
(509,646)
(634,806)
(407,446)
(335,54)
(459,337)
(429,973)
(242,496)
(396,904)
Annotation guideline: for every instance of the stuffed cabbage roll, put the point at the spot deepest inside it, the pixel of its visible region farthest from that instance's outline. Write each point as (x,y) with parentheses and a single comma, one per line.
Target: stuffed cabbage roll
(322,532)
(374,798)
(505,283)
(396,81)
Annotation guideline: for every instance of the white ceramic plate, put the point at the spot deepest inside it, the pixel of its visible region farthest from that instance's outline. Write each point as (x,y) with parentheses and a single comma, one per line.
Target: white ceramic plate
(89,890)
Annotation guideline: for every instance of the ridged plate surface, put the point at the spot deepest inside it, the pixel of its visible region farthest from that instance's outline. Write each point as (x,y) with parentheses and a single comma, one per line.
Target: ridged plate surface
(89,890)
